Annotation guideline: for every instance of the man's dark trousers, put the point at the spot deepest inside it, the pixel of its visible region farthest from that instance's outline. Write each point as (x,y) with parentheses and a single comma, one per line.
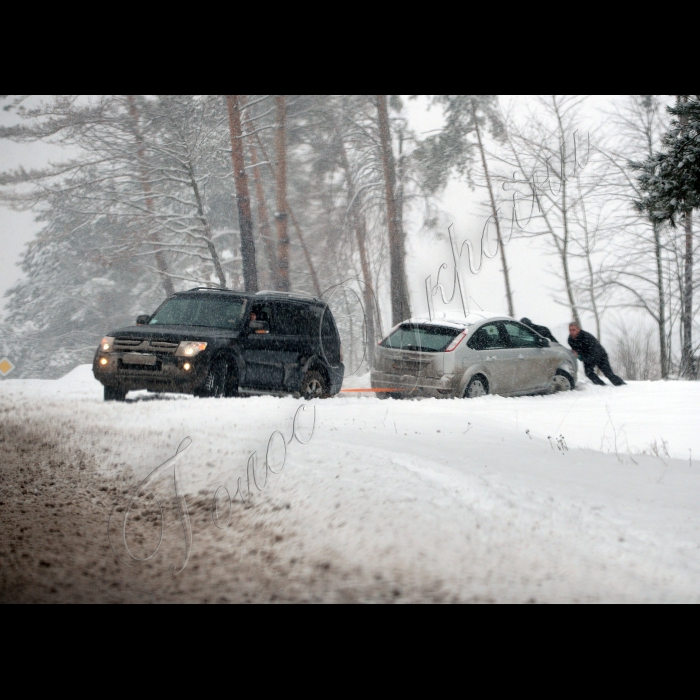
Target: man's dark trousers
(589,365)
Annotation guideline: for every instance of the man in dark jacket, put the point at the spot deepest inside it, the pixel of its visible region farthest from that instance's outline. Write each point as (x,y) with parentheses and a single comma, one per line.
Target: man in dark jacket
(592,353)
(542,330)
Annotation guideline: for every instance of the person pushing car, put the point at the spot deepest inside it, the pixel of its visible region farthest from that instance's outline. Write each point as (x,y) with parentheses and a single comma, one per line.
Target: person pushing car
(592,354)
(542,330)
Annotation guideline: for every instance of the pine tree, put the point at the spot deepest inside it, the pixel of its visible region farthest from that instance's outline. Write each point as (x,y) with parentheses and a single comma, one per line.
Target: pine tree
(670,181)
(457,147)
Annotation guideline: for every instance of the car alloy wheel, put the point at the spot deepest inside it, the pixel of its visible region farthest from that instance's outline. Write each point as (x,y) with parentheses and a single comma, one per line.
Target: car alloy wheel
(562,381)
(476,387)
(313,386)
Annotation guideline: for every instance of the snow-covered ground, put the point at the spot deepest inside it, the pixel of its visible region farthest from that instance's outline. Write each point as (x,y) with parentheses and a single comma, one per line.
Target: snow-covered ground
(588,495)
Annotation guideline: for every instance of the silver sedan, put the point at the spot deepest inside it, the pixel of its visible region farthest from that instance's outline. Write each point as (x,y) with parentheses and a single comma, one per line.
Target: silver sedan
(469,357)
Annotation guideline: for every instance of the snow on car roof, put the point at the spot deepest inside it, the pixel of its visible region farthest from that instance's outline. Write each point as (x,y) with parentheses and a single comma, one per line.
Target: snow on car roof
(456,319)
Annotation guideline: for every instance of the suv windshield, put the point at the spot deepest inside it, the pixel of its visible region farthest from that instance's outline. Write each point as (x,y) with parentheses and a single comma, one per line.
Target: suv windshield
(198,311)
(421,338)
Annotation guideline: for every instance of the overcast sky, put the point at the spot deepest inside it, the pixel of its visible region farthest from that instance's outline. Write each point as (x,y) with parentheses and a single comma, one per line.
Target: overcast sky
(533,283)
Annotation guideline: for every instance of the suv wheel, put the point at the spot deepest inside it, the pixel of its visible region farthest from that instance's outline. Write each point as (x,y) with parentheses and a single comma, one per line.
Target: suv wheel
(314,386)
(114,394)
(478,386)
(215,384)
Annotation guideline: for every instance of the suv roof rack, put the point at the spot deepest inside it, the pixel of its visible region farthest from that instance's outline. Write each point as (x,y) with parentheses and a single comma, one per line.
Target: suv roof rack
(287,294)
(215,289)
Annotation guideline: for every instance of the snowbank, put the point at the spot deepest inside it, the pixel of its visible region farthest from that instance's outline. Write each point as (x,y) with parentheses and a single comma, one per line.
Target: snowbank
(547,498)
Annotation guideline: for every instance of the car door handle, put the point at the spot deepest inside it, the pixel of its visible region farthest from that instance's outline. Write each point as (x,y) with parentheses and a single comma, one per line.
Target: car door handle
(521,357)
(488,359)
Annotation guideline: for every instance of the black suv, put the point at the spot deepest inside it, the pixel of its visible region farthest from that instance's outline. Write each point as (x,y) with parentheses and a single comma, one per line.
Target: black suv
(214,342)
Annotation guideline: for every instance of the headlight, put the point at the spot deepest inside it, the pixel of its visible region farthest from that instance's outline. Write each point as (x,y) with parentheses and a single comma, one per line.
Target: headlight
(190,348)
(107,344)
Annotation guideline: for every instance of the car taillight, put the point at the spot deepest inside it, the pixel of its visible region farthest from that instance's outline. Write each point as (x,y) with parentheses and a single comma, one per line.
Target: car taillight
(452,346)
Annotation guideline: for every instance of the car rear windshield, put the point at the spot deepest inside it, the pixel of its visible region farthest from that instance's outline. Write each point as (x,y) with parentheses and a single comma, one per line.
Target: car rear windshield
(192,311)
(421,338)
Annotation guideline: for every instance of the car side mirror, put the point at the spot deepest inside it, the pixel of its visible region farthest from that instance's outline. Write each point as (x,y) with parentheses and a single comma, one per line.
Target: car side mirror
(544,343)
(142,320)
(259,327)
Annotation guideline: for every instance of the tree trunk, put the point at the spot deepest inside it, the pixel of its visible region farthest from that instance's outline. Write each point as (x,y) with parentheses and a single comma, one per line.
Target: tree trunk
(281,192)
(494,213)
(687,360)
(400,300)
(368,296)
(240,179)
(207,231)
(565,260)
(146,185)
(360,227)
(591,289)
(305,250)
(663,352)
(264,220)
(309,262)
(565,222)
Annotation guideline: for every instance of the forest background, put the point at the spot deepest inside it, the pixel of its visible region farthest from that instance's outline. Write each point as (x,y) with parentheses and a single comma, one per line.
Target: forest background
(118,200)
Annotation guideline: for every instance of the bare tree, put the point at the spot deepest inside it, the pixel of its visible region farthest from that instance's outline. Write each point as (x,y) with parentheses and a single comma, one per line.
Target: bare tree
(235,105)
(638,261)
(142,161)
(263,217)
(297,228)
(469,119)
(400,300)
(545,155)
(636,354)
(360,227)
(155,239)
(281,192)
(494,208)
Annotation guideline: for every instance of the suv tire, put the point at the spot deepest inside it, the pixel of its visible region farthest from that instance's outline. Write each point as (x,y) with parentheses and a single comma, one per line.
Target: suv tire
(215,384)
(314,386)
(114,394)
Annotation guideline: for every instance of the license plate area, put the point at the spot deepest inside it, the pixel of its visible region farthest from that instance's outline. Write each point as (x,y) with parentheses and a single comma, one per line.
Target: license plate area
(409,366)
(139,360)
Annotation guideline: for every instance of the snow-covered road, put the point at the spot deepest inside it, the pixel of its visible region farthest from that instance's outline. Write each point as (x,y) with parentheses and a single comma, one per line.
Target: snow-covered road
(589,495)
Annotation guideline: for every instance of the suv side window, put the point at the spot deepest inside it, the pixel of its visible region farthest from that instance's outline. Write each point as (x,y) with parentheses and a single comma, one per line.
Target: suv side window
(521,337)
(290,319)
(488,337)
(330,337)
(263,312)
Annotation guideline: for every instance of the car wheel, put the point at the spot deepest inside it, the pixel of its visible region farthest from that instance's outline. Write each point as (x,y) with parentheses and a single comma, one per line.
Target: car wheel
(114,394)
(478,386)
(562,381)
(313,386)
(215,384)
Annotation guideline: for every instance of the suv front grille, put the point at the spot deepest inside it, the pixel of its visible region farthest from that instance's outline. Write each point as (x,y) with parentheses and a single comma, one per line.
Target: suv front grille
(160,347)
(126,344)
(163,346)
